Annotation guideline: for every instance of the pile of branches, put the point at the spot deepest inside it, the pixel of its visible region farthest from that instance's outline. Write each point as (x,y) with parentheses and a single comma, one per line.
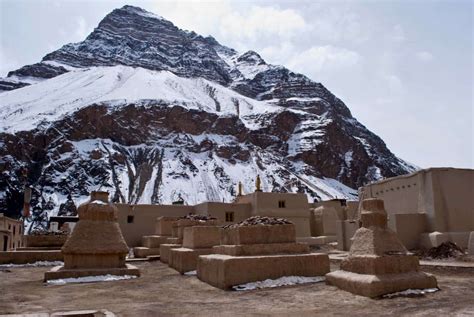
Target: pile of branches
(445,250)
(260,221)
(198,217)
(43,232)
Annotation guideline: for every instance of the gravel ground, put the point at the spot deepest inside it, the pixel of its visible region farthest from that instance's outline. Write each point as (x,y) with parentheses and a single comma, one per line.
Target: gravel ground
(161,291)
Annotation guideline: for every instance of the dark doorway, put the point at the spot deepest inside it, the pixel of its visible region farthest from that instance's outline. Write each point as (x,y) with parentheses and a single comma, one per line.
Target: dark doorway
(5,243)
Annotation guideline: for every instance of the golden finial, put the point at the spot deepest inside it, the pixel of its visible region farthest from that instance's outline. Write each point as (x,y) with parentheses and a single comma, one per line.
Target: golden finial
(258,184)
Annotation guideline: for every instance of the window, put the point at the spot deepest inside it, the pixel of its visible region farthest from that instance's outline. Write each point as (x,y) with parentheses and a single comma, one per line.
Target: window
(281,204)
(229,216)
(14,230)
(129,219)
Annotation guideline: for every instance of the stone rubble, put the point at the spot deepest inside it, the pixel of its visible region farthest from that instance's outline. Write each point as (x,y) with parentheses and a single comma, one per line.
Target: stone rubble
(445,250)
(259,220)
(198,217)
(41,232)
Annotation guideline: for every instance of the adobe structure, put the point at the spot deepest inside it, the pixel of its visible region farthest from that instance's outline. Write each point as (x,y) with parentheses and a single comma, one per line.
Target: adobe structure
(327,216)
(96,246)
(151,244)
(139,220)
(428,207)
(178,228)
(11,231)
(45,240)
(378,263)
(257,249)
(18,248)
(197,240)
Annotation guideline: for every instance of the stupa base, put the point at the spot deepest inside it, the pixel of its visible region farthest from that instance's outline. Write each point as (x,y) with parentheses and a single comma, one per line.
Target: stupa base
(378,285)
(184,260)
(143,252)
(59,272)
(225,271)
(165,251)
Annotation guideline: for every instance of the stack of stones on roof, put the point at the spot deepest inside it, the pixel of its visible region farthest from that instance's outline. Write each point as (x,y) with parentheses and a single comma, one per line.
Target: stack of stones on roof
(259,220)
(378,263)
(96,246)
(177,233)
(256,249)
(151,244)
(45,240)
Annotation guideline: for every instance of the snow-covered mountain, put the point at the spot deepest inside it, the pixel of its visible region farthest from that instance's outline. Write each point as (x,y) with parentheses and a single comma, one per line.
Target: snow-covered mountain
(151,113)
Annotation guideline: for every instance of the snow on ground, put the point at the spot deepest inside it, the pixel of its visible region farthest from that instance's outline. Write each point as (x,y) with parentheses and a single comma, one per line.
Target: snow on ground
(191,273)
(192,176)
(23,79)
(374,173)
(308,134)
(25,108)
(282,281)
(366,144)
(326,188)
(59,64)
(299,99)
(35,264)
(91,279)
(411,292)
(248,69)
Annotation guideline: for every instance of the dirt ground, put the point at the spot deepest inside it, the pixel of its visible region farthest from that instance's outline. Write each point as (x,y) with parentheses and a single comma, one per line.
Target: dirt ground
(161,291)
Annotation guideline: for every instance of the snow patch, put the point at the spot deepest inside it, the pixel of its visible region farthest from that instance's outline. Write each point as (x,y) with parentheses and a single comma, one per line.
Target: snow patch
(35,264)
(25,109)
(411,292)
(99,202)
(282,281)
(91,279)
(191,273)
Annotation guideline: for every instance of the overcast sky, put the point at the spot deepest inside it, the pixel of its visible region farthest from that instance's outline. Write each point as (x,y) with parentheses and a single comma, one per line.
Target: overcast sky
(404,68)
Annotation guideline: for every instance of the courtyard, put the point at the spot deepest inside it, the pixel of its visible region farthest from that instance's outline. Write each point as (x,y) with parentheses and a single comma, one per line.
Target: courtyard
(161,291)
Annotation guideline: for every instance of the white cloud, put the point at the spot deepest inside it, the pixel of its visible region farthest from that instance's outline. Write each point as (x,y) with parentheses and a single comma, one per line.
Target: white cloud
(338,23)
(394,84)
(81,28)
(279,54)
(7,63)
(263,21)
(398,33)
(242,26)
(324,58)
(424,56)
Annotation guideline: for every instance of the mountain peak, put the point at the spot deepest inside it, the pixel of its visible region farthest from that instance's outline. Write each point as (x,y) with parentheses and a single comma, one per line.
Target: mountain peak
(251,57)
(132,36)
(139,11)
(148,111)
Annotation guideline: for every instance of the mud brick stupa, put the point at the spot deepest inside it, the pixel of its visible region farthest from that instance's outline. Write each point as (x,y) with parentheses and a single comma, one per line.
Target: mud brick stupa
(257,249)
(151,244)
(378,263)
(176,240)
(197,240)
(96,246)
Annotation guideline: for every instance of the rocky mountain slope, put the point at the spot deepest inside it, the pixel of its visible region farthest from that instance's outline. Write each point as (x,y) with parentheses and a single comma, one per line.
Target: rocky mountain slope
(154,114)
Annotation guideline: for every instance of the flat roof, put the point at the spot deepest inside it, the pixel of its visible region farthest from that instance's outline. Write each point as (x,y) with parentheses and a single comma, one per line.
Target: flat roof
(426,170)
